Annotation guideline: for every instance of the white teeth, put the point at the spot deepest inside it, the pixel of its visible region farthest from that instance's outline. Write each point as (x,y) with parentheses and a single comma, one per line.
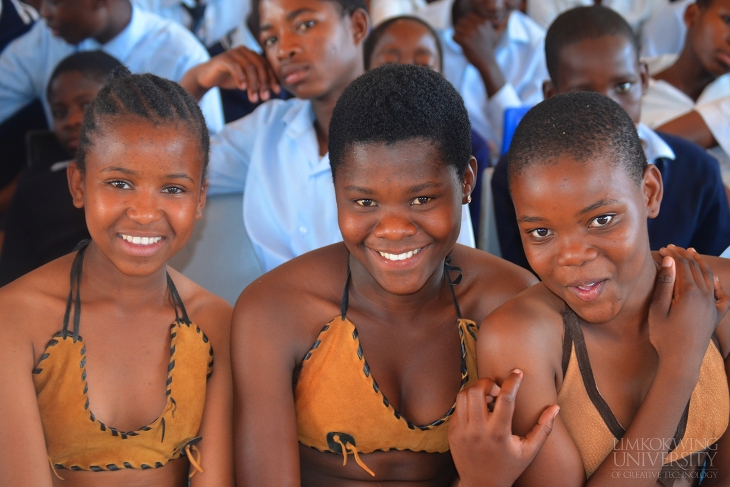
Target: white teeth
(403,256)
(141,240)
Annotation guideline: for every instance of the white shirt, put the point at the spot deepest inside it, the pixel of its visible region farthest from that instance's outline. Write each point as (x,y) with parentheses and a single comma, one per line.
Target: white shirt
(289,205)
(520,55)
(663,102)
(437,14)
(381,10)
(654,146)
(147,44)
(664,32)
(220,15)
(726,254)
(636,12)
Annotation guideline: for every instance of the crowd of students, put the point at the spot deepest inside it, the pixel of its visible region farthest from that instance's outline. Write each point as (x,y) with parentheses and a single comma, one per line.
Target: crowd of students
(359,145)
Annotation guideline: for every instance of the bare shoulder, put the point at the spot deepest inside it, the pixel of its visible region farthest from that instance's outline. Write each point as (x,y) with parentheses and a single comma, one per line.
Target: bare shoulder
(525,332)
(210,312)
(488,281)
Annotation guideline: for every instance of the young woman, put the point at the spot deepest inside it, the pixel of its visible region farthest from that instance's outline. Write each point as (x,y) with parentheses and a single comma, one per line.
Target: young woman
(108,355)
(348,359)
(626,342)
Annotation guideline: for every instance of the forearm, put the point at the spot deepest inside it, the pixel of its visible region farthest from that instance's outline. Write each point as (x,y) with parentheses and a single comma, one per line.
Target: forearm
(692,127)
(491,75)
(648,438)
(190,82)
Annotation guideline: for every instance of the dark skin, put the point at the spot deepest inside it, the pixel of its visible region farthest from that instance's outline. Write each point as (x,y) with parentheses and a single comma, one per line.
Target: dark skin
(394,199)
(705,56)
(406,42)
(127,310)
(76,20)
(647,318)
(312,49)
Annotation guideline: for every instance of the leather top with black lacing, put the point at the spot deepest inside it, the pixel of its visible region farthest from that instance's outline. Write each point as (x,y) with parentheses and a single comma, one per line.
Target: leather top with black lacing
(339,406)
(77,440)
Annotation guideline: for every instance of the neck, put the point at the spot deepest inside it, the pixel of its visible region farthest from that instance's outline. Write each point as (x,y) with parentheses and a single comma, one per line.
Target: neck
(324,105)
(687,74)
(119,15)
(102,280)
(368,291)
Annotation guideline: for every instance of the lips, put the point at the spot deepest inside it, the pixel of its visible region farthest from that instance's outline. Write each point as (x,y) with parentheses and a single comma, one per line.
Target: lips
(139,245)
(587,290)
(399,257)
(293,73)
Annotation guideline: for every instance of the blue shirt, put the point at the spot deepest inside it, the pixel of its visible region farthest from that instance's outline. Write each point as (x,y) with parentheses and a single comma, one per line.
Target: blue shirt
(289,206)
(694,210)
(148,44)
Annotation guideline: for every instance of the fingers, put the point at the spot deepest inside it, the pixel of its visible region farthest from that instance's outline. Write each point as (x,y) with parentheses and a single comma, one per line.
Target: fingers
(504,406)
(661,301)
(259,76)
(540,432)
(722,301)
(472,403)
(691,268)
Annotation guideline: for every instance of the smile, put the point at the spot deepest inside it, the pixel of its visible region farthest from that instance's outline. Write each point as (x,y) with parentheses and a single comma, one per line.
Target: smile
(588,291)
(403,256)
(141,240)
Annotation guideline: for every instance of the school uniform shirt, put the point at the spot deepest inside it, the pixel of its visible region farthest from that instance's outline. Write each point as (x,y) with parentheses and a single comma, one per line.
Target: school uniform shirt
(289,205)
(520,55)
(217,17)
(664,32)
(726,254)
(663,102)
(694,210)
(636,12)
(16,19)
(148,44)
(437,14)
(381,10)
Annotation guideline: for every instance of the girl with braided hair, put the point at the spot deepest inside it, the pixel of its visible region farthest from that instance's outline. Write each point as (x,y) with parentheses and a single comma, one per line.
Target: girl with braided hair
(127,392)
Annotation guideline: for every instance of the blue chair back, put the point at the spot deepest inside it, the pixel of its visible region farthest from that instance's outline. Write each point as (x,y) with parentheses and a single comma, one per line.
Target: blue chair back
(512,118)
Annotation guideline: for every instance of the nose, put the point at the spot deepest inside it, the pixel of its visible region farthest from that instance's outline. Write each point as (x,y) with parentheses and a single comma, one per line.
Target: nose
(394,226)
(288,45)
(75,117)
(575,252)
(144,208)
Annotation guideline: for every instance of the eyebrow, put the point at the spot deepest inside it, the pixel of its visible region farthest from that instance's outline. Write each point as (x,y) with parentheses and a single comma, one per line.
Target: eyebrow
(179,175)
(420,187)
(597,204)
(358,189)
(290,16)
(123,170)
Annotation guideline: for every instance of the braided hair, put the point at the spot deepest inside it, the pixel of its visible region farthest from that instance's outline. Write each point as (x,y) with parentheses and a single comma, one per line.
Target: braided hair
(144,96)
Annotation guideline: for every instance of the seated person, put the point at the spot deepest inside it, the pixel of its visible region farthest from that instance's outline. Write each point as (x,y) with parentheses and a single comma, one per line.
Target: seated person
(140,40)
(494,57)
(15,20)
(636,12)
(377,332)
(627,343)
(594,49)
(42,223)
(154,408)
(410,40)
(278,155)
(690,95)
(209,20)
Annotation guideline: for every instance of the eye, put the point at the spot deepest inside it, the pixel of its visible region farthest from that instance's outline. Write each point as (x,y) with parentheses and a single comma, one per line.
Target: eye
(726,19)
(173,190)
(623,87)
(58,114)
(119,184)
(421,200)
(601,221)
(540,233)
(306,25)
(367,203)
(269,41)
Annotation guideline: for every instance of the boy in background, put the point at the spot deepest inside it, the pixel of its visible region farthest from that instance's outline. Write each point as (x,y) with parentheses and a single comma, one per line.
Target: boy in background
(594,49)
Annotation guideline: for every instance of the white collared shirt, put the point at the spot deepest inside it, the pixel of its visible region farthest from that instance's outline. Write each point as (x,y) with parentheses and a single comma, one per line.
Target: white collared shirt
(664,32)
(520,55)
(663,102)
(147,44)
(289,206)
(654,146)
(636,12)
(726,254)
(220,15)
(381,10)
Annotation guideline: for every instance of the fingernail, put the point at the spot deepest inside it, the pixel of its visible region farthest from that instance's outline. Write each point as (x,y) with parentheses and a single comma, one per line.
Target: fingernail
(556,413)
(667,262)
(717,279)
(671,245)
(517,371)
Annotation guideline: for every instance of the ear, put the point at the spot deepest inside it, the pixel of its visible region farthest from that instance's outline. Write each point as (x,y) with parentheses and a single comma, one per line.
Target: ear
(548,89)
(691,14)
(201,201)
(360,25)
(653,189)
(469,181)
(76,184)
(644,75)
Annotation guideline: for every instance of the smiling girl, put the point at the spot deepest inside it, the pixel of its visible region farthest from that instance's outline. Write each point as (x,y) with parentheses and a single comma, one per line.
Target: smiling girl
(110,376)
(348,360)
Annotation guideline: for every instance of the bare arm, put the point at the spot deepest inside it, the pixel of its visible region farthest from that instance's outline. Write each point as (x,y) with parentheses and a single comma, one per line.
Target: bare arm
(690,126)
(216,447)
(23,456)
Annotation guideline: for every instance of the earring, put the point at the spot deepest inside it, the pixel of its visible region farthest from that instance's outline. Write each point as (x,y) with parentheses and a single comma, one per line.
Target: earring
(468,199)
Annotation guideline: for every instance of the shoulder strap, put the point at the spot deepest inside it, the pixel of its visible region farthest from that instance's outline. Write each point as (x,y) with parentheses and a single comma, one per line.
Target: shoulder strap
(345,294)
(76,267)
(448,268)
(181,315)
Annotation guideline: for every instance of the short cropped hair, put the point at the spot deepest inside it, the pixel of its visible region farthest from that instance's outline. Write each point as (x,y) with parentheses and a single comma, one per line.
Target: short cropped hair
(377,33)
(142,96)
(401,102)
(96,65)
(580,24)
(253,21)
(583,125)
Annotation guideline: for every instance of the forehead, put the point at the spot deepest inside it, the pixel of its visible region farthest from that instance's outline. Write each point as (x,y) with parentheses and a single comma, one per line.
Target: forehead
(377,164)
(602,57)
(277,10)
(145,147)
(407,31)
(73,83)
